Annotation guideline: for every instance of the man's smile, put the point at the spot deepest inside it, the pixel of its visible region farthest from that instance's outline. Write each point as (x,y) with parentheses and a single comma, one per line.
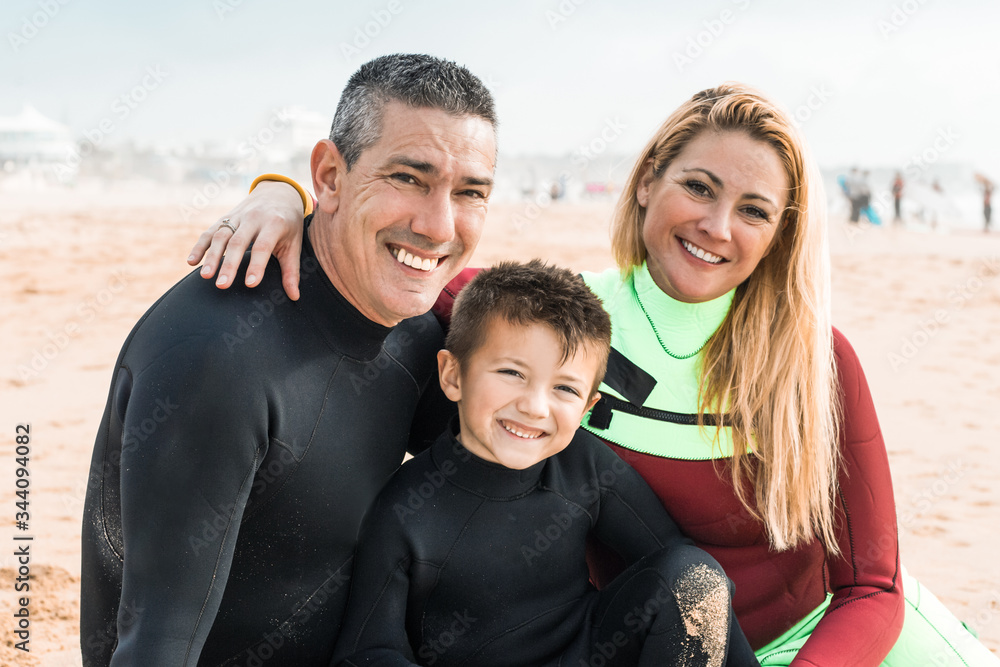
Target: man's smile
(415,261)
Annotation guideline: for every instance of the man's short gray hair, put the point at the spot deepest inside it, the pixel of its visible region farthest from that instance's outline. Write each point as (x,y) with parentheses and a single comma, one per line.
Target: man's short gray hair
(414,79)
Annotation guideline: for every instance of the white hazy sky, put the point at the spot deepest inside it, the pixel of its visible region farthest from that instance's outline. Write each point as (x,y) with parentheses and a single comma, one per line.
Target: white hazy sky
(886,76)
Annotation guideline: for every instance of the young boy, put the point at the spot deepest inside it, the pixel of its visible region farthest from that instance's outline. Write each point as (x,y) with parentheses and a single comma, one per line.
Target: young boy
(474,552)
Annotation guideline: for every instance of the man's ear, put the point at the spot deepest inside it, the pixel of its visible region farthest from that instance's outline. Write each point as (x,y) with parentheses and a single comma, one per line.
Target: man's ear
(449,374)
(328,169)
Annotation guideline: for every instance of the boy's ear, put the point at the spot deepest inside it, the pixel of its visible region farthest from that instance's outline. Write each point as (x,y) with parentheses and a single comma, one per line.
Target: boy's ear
(328,169)
(592,402)
(450,376)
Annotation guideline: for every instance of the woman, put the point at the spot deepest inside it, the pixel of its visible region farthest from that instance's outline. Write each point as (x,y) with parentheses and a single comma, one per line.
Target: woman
(731,393)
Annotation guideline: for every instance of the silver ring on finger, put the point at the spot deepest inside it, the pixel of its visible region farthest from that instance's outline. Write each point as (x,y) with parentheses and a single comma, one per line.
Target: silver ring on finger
(225,223)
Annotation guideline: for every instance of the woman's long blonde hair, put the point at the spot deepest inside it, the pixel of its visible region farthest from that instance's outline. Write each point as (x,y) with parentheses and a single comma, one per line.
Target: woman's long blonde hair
(770,365)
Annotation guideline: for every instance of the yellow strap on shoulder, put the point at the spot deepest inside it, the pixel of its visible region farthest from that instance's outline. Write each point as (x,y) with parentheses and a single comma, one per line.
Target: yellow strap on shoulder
(307,202)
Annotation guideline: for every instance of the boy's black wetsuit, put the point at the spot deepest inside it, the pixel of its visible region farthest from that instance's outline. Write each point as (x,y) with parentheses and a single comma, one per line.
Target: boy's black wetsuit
(466,562)
(244,437)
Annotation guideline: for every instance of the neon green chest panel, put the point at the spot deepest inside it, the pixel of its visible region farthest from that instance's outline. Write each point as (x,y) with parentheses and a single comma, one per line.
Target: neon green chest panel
(652,382)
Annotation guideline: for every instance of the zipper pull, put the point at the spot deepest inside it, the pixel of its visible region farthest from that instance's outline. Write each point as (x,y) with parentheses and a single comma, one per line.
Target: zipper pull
(600,415)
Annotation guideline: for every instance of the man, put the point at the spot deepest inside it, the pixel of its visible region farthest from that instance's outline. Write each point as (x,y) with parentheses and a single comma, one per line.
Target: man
(245,435)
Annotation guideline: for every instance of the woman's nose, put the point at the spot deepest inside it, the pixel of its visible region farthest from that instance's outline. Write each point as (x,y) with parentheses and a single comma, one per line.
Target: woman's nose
(717,223)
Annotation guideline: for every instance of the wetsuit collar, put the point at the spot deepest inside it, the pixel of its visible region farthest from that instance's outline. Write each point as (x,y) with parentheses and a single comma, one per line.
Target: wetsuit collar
(684,326)
(341,324)
(480,477)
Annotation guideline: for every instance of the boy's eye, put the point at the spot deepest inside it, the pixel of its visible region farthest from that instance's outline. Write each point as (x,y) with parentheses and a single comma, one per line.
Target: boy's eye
(568,389)
(509,371)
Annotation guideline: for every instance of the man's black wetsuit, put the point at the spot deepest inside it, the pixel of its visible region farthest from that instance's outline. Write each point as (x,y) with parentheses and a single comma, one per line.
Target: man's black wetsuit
(244,437)
(465,562)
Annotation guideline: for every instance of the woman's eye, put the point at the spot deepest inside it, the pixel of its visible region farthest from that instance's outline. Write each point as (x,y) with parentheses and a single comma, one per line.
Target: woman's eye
(755,212)
(698,188)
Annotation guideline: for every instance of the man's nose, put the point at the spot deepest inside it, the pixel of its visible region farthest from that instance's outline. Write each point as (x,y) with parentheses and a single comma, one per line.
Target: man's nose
(435,220)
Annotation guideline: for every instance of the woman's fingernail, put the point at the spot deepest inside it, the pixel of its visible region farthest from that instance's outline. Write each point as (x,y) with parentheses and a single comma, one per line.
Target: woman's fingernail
(206,270)
(222,280)
(190,258)
(251,279)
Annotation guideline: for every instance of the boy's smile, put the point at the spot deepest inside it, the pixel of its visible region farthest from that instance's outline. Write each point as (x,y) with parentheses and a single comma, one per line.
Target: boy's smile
(519,401)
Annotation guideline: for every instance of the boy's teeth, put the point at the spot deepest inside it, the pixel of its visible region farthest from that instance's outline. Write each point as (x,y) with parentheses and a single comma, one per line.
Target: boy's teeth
(701,254)
(421,264)
(519,434)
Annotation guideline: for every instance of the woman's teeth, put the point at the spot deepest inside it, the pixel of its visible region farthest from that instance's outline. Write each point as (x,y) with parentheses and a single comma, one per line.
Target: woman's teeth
(520,434)
(701,254)
(421,264)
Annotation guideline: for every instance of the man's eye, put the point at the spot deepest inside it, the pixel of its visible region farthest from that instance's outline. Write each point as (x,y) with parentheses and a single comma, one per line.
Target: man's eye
(475,194)
(403,177)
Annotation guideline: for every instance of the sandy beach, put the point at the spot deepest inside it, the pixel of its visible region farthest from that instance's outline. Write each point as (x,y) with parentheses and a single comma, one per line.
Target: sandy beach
(921,309)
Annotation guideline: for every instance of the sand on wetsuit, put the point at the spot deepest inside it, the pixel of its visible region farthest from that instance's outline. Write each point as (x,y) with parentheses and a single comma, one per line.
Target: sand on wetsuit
(475,551)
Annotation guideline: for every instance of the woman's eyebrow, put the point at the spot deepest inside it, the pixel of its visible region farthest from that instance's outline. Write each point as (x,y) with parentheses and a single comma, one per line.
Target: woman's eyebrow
(712,177)
(760,197)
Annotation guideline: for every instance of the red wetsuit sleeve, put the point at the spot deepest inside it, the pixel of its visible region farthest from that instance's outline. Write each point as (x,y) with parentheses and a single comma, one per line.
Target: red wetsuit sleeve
(865,615)
(446,299)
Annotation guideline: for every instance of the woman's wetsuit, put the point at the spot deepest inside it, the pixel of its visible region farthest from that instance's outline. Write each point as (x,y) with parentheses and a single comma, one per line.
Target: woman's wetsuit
(774,590)
(797,607)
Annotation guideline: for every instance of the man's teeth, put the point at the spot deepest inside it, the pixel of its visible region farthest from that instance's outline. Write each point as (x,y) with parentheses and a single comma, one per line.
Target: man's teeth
(521,435)
(701,254)
(422,264)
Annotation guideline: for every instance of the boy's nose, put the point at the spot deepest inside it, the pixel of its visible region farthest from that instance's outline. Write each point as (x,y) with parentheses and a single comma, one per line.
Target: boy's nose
(534,404)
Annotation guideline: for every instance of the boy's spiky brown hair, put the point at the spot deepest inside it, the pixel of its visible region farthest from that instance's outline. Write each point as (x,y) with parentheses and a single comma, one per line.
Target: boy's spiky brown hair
(530,293)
